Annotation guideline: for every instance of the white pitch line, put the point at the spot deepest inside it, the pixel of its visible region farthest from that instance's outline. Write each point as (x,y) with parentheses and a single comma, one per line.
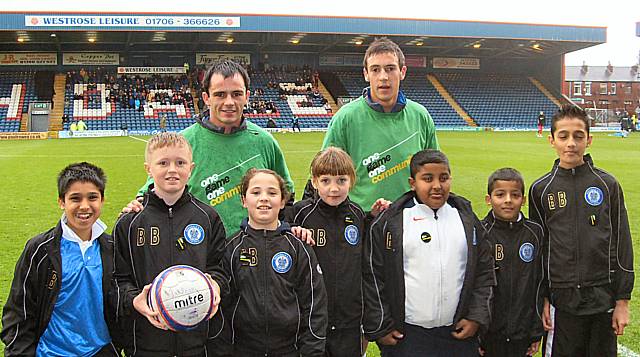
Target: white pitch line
(133,137)
(625,352)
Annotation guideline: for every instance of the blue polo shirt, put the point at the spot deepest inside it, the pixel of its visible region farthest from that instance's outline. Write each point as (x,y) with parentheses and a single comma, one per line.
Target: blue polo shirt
(77,326)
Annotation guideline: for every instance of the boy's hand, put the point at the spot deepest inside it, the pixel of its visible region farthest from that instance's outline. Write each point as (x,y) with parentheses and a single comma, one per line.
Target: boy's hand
(140,304)
(465,329)
(533,349)
(546,316)
(391,339)
(620,318)
(379,205)
(133,206)
(303,234)
(215,297)
(480,351)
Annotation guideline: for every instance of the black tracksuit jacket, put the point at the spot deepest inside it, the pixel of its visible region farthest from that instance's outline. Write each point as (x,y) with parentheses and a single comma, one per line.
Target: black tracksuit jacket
(35,288)
(339,257)
(517,305)
(273,294)
(384,288)
(587,240)
(146,243)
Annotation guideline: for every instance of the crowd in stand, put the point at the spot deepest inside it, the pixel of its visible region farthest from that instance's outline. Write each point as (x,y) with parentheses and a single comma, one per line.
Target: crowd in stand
(260,107)
(133,91)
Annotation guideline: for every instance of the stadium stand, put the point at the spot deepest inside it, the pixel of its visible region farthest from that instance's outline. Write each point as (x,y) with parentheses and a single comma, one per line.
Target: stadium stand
(16,92)
(492,100)
(498,100)
(417,88)
(136,103)
(107,101)
(291,91)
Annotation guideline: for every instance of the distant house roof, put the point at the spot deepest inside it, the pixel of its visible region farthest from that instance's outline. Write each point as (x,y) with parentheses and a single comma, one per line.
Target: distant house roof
(601,74)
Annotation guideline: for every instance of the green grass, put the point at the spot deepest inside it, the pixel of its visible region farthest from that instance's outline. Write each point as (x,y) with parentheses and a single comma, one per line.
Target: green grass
(29,194)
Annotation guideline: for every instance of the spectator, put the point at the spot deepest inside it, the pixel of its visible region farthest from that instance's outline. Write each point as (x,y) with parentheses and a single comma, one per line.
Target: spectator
(81,125)
(163,122)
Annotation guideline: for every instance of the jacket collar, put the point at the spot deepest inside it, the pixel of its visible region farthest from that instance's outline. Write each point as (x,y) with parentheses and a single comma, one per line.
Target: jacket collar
(400,103)
(322,205)
(152,199)
(588,164)
(407,201)
(283,228)
(53,249)
(203,120)
(96,231)
(492,220)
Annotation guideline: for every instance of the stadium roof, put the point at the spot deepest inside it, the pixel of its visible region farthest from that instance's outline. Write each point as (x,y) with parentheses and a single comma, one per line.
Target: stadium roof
(286,33)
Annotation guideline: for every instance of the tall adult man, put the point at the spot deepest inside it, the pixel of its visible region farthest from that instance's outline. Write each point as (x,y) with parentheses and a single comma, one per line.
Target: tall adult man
(382,129)
(225,145)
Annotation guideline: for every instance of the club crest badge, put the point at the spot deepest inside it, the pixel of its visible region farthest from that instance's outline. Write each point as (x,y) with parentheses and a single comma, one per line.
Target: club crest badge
(526,252)
(281,262)
(194,234)
(593,196)
(351,234)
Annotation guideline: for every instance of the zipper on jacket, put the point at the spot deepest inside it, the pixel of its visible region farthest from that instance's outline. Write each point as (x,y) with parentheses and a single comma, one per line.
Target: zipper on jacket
(266,294)
(174,338)
(171,231)
(440,283)
(335,213)
(511,255)
(575,234)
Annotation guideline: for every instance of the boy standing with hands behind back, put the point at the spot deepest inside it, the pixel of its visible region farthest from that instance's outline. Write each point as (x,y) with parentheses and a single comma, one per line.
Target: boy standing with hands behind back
(587,252)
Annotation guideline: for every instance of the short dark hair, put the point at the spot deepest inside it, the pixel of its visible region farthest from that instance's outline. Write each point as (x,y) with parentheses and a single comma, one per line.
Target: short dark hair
(81,172)
(569,111)
(505,174)
(383,45)
(428,156)
(227,69)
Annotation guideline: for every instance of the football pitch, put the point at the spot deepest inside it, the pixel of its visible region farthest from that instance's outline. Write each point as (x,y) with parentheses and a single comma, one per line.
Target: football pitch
(29,190)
